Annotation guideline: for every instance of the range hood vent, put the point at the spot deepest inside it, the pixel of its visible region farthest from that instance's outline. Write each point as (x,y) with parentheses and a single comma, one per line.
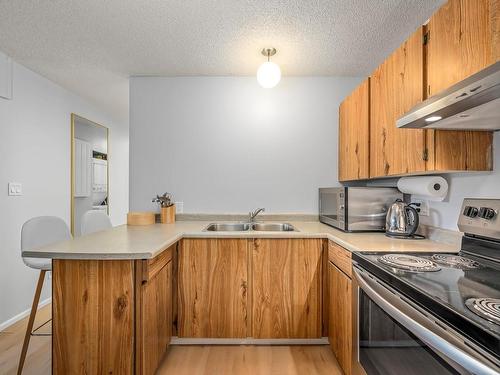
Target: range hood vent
(472,104)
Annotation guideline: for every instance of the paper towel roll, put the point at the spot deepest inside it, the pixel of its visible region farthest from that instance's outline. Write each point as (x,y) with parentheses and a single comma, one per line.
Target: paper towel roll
(426,187)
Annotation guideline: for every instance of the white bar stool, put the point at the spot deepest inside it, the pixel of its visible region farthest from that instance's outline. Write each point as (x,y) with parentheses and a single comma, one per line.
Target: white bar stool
(95,221)
(38,232)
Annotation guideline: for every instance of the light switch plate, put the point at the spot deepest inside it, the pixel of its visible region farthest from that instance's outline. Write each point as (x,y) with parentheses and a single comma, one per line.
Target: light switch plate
(15,188)
(179,207)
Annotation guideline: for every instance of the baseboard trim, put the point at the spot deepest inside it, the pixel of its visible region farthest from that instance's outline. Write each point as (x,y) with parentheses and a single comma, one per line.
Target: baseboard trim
(22,315)
(247,341)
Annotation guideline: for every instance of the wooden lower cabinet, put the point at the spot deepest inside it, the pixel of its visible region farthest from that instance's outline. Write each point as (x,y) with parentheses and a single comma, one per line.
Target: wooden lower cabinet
(154,314)
(93,317)
(111,316)
(340,316)
(212,288)
(286,288)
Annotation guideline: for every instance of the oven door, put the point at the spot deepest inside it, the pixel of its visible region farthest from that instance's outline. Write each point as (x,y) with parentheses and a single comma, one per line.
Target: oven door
(394,337)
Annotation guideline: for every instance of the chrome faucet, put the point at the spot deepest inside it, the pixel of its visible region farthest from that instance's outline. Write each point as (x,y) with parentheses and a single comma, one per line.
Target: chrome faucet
(254,213)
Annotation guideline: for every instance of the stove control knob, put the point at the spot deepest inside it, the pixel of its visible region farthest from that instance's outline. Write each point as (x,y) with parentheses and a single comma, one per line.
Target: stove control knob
(487,213)
(473,212)
(470,211)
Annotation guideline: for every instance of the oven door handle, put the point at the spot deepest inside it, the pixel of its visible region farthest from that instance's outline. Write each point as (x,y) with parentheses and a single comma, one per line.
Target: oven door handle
(437,338)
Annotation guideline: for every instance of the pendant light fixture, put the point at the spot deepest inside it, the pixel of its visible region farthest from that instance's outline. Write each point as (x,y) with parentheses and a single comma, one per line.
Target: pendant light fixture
(269,73)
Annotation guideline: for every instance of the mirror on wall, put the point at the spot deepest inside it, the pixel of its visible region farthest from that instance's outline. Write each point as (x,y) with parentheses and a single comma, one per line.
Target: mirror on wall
(89,169)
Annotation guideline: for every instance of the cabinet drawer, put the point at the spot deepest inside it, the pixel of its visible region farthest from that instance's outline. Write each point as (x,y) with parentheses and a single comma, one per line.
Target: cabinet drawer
(340,257)
(150,267)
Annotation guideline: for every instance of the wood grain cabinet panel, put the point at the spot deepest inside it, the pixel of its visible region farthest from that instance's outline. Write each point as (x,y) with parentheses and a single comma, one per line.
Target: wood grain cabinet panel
(495,28)
(341,257)
(354,134)
(212,288)
(463,39)
(154,316)
(461,42)
(93,317)
(395,87)
(286,288)
(340,317)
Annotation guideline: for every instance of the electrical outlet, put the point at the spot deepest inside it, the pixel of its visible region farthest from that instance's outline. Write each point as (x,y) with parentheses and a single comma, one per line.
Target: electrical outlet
(179,207)
(15,188)
(422,206)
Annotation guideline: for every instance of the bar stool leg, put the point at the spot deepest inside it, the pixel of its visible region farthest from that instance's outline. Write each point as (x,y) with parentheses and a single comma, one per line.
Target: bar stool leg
(31,320)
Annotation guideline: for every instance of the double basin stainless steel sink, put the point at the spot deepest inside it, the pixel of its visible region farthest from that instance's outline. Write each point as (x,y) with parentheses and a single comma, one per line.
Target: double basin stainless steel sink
(243,227)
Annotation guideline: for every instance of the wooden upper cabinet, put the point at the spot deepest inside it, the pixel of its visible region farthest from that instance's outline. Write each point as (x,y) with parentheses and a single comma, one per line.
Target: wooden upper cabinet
(354,134)
(212,293)
(460,42)
(395,87)
(286,288)
(495,27)
(463,39)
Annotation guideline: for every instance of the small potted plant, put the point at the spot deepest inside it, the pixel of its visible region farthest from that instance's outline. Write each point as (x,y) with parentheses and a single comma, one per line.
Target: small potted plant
(167,208)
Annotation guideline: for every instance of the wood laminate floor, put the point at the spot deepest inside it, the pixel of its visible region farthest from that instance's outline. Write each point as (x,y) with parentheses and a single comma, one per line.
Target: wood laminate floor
(38,360)
(180,360)
(251,360)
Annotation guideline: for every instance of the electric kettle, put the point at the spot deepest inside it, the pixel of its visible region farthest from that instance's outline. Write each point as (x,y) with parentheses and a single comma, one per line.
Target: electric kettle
(401,220)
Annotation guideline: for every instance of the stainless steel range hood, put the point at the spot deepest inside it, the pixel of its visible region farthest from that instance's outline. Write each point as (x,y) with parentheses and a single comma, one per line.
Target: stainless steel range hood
(472,104)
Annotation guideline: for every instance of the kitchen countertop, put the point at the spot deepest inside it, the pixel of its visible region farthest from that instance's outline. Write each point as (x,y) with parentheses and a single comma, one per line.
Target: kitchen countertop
(145,242)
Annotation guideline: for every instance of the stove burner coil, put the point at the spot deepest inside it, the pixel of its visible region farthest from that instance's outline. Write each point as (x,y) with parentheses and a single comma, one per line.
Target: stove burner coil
(487,308)
(455,261)
(409,263)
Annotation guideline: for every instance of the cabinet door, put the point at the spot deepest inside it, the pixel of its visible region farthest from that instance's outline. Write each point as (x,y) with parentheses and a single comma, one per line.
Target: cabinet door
(395,87)
(156,318)
(354,134)
(461,43)
(286,288)
(340,317)
(212,293)
(93,316)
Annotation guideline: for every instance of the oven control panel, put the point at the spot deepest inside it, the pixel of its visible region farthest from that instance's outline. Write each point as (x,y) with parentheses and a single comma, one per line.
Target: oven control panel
(480,217)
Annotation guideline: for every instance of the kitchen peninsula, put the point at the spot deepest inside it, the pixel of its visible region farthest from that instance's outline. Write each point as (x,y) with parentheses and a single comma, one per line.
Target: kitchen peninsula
(120,295)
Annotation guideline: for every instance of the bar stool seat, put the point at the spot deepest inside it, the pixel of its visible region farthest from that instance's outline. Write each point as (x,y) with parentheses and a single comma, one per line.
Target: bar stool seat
(37,232)
(95,221)
(38,263)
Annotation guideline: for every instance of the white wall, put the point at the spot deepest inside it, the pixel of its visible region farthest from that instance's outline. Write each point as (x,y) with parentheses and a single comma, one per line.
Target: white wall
(465,185)
(35,151)
(226,145)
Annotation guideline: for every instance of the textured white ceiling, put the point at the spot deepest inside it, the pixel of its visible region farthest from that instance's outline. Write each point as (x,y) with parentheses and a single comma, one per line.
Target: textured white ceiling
(93,46)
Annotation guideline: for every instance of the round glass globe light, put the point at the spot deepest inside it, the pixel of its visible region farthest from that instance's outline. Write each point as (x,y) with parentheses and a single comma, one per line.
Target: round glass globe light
(269,74)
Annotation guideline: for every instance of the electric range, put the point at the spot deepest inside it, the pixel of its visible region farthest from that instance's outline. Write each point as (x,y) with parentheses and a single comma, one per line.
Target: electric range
(445,308)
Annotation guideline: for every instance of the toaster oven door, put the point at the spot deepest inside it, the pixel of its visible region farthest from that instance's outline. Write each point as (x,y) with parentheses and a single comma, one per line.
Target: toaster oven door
(331,207)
